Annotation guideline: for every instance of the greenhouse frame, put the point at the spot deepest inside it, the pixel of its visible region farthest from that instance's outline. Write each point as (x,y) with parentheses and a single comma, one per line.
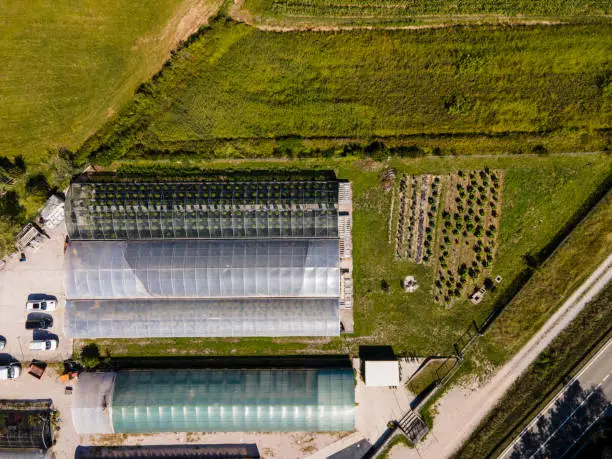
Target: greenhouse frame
(202,318)
(210,259)
(202,210)
(230,400)
(202,269)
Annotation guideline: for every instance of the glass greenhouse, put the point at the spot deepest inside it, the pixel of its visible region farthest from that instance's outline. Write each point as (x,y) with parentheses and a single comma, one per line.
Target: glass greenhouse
(207,318)
(256,400)
(206,210)
(203,269)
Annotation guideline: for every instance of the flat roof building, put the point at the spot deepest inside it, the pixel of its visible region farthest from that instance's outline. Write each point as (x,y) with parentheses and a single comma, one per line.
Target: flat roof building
(382,373)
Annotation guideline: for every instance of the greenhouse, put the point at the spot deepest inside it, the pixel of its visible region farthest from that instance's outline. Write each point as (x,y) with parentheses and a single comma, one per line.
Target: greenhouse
(202,269)
(211,259)
(250,400)
(206,318)
(205,210)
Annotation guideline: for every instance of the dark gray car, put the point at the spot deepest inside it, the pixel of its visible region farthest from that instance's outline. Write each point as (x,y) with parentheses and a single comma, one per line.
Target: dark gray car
(39,323)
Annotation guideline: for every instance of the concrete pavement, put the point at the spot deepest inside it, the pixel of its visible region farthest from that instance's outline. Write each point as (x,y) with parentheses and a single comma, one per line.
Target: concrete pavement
(43,272)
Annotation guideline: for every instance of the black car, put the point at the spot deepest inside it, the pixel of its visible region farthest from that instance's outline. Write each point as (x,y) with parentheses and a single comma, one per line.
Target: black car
(43,323)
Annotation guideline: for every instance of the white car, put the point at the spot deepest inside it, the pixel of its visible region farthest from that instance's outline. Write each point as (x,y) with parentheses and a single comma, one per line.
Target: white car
(43,305)
(43,344)
(10,371)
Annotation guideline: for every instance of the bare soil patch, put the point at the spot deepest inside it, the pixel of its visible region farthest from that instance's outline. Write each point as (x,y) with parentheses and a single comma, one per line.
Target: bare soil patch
(188,19)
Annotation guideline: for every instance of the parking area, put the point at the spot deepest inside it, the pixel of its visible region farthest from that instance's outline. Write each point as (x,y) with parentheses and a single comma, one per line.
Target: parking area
(41,273)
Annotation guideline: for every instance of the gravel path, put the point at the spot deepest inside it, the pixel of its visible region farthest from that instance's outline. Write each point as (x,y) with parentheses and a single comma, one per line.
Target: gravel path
(461,409)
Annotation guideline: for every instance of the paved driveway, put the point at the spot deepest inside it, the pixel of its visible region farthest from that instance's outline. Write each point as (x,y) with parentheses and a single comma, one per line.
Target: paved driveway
(41,273)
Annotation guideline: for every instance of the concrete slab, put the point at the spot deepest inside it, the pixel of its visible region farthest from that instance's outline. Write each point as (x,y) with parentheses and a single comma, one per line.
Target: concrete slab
(43,272)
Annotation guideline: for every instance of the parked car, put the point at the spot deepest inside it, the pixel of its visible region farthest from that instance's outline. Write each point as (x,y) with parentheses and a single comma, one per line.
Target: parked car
(43,344)
(43,323)
(10,371)
(2,342)
(43,305)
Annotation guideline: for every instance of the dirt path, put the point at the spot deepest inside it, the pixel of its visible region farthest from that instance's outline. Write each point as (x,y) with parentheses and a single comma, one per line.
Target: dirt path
(188,18)
(240,14)
(461,409)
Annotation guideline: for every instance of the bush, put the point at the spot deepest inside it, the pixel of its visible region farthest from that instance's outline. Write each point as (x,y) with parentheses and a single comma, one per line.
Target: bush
(90,356)
(37,184)
(11,208)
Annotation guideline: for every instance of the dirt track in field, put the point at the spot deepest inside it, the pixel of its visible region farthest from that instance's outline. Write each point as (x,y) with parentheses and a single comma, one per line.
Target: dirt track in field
(240,14)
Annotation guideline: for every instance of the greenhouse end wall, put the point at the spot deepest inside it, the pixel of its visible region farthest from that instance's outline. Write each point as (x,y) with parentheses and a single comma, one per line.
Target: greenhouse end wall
(253,400)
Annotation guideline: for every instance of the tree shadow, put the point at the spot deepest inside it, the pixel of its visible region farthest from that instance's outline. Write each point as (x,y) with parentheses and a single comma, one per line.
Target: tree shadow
(566,421)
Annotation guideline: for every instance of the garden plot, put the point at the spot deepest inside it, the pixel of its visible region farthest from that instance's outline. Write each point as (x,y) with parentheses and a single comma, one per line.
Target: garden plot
(467,235)
(417,209)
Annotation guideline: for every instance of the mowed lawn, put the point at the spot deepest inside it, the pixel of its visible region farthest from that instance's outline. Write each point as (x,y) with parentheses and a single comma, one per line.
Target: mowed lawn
(551,188)
(540,195)
(238,82)
(67,66)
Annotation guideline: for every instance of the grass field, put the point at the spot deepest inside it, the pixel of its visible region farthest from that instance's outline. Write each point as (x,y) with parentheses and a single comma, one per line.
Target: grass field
(575,260)
(67,67)
(237,82)
(313,11)
(414,324)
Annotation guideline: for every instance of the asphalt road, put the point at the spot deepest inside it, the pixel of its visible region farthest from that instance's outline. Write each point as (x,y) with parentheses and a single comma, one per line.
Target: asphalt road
(569,415)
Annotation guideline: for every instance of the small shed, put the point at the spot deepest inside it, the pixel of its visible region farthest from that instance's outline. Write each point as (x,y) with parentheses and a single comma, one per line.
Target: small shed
(382,373)
(477,296)
(53,211)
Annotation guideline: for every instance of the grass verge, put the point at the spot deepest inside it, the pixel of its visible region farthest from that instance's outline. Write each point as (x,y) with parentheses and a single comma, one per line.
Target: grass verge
(573,261)
(398,440)
(543,379)
(430,374)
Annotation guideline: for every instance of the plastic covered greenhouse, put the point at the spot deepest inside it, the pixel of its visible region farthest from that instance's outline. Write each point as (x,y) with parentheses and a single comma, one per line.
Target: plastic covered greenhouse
(206,318)
(203,269)
(253,400)
(205,210)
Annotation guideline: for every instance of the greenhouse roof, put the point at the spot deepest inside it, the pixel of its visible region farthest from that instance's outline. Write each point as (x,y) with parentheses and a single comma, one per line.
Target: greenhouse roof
(203,269)
(202,210)
(210,318)
(257,400)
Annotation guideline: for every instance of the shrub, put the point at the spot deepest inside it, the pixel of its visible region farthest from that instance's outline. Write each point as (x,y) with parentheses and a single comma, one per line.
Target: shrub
(90,356)
(11,208)
(38,184)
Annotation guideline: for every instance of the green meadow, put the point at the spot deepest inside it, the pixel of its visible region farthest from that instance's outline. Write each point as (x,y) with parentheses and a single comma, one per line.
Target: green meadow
(237,85)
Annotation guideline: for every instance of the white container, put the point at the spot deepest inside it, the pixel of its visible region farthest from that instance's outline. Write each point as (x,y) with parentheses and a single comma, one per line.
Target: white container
(43,345)
(43,305)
